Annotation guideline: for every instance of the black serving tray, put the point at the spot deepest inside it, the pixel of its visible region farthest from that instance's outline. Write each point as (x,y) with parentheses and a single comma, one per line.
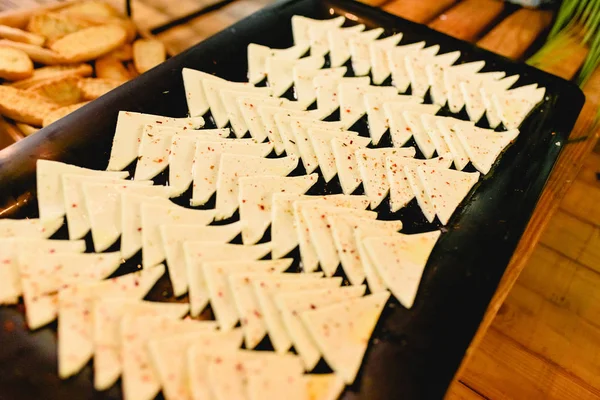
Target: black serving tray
(414,353)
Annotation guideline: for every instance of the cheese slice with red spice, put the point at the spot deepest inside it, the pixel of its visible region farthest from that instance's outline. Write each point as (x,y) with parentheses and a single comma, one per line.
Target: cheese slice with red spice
(236,118)
(345,162)
(342,331)
(301,26)
(514,106)
(427,208)
(378,122)
(249,107)
(400,260)
(289,123)
(280,71)
(400,131)
(352,102)
(320,140)
(472,96)
(271,128)
(448,134)
(416,63)
(430,125)
(258,54)
(396,55)
(324,386)
(453,76)
(484,146)
(30,227)
(378,49)
(276,379)
(317,34)
(153,153)
(490,87)
(328,95)
(339,45)
(304,88)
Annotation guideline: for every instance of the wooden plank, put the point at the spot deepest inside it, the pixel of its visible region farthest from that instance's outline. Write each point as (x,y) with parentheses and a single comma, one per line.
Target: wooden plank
(468,19)
(566,234)
(459,391)
(421,11)
(565,62)
(503,369)
(374,3)
(590,170)
(582,200)
(183,7)
(515,34)
(590,256)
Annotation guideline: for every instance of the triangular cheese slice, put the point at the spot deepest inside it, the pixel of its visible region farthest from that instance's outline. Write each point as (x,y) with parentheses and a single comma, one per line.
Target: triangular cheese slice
(194,90)
(173,237)
(289,123)
(169,358)
(221,297)
(319,230)
(303,82)
(11,248)
(292,304)
(103,204)
(154,215)
(208,158)
(352,99)
(472,96)
(131,218)
(447,132)
(213,88)
(513,107)
(302,135)
(256,199)
(345,163)
(199,359)
(267,115)
(484,146)
(416,63)
(399,129)
(378,49)
(276,379)
(396,55)
(265,292)
(371,164)
(422,138)
(487,89)
(342,229)
(198,253)
(75,323)
(280,71)
(258,54)
(249,106)
(107,332)
(317,35)
(360,54)
(430,125)
(339,43)
(321,144)
(400,260)
(410,172)
(301,26)
(43,275)
(153,153)
(324,386)
(378,122)
(251,318)
(234,113)
(49,185)
(342,331)
(30,227)
(308,254)
(401,192)
(128,135)
(456,74)
(140,380)
(446,188)
(327,91)
(235,166)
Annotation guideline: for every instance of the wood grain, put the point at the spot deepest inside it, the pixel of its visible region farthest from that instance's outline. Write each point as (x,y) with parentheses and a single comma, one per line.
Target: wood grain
(462,392)
(469,19)
(584,202)
(515,34)
(421,11)
(566,233)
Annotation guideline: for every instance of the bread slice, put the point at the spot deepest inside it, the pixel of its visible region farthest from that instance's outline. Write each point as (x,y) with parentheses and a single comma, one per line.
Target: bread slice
(52,72)
(36,53)
(61,112)
(14,64)
(63,91)
(109,67)
(18,35)
(53,26)
(90,43)
(147,54)
(92,8)
(92,88)
(24,106)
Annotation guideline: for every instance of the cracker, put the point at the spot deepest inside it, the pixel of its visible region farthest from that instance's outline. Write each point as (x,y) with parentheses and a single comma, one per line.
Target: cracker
(18,35)
(36,53)
(109,67)
(24,106)
(61,112)
(147,54)
(63,91)
(53,72)
(90,43)
(132,71)
(123,53)
(53,26)
(26,129)
(93,8)
(126,24)
(92,88)
(14,64)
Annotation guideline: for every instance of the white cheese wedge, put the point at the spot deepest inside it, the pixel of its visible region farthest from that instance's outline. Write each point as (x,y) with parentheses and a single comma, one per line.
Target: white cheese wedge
(422,138)
(30,228)
(43,275)
(103,204)
(207,160)
(352,100)
(327,91)
(415,64)
(319,229)
(213,88)
(128,135)
(378,122)
(401,192)
(276,380)
(454,76)
(317,36)
(374,280)
(324,386)
(271,127)
(514,106)
(169,358)
(342,230)
(49,185)
(446,188)
(487,89)
(399,129)
(430,125)
(249,107)
(378,50)
(280,71)
(235,166)
(308,253)
(435,79)
(345,163)
(320,140)
(397,66)
(221,298)
(153,153)
(304,88)
(258,54)
(471,94)
(155,215)
(140,380)
(251,319)
(446,129)
(199,359)
(427,208)
(235,116)
(11,248)
(342,331)
(194,90)
(256,200)
(339,44)
(287,122)
(173,237)
(198,253)
(484,146)
(75,322)
(301,26)
(107,314)
(292,304)
(371,164)
(400,260)
(265,292)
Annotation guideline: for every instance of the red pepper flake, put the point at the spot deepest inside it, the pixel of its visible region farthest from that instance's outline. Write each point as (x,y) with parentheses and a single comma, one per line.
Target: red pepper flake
(73,205)
(212,167)
(159,122)
(257,314)
(261,206)
(139,229)
(313,307)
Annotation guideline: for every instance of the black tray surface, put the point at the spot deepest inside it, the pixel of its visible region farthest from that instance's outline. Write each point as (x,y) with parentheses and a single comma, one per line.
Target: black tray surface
(414,353)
